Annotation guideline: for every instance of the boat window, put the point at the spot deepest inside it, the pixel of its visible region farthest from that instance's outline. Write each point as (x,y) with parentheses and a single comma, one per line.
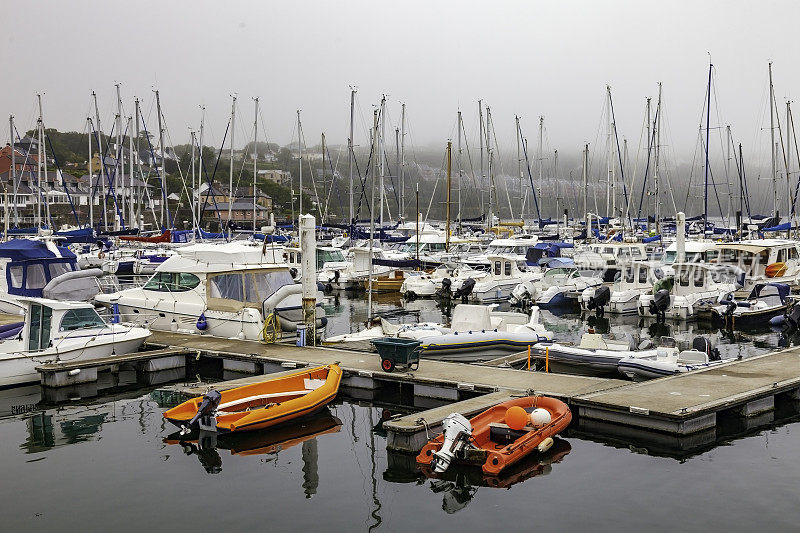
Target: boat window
(227,286)
(636,252)
(172,282)
(629,275)
(507,267)
(699,277)
(497,268)
(791,254)
(642,275)
(56,269)
(669,256)
(80,319)
(436,246)
(39,335)
(35,278)
(683,277)
(711,255)
(15,274)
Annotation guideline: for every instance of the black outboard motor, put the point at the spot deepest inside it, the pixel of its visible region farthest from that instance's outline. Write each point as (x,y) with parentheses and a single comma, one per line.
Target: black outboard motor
(659,304)
(205,417)
(446,290)
(702,344)
(465,290)
(792,321)
(602,295)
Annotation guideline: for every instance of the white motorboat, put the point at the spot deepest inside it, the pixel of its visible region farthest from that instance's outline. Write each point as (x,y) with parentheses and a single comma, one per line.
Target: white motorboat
(507,271)
(56,331)
(765,301)
(636,278)
(424,285)
(695,287)
(668,361)
(563,287)
(762,260)
(350,274)
(224,290)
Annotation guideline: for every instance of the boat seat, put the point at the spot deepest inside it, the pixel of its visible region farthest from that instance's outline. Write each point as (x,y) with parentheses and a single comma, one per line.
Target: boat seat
(593,341)
(502,434)
(692,357)
(256,397)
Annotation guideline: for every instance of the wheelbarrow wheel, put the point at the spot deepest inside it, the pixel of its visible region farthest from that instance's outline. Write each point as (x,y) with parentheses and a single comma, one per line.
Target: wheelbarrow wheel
(387,365)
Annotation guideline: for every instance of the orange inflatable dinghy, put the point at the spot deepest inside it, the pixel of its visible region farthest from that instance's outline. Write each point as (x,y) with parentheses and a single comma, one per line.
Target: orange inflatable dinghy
(260,405)
(504,434)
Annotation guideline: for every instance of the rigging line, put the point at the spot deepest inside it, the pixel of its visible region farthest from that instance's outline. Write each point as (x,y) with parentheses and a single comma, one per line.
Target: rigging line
(63,181)
(210,181)
(650,143)
(183,182)
(530,176)
(619,155)
(502,171)
(159,173)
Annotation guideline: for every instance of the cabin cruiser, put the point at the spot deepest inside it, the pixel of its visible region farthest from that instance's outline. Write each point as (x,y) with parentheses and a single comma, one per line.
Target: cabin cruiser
(694,287)
(518,247)
(56,331)
(507,271)
(763,260)
(224,290)
(40,268)
(636,278)
(669,360)
(609,257)
(765,301)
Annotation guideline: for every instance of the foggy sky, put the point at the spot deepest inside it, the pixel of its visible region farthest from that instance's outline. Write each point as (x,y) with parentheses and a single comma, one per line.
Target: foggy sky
(527,58)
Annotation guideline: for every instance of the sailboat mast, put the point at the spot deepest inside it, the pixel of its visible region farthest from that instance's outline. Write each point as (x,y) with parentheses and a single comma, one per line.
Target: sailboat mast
(137,206)
(403,155)
(584,171)
(131,196)
(40,134)
(119,162)
(230,174)
(656,181)
(102,169)
(380,153)
(255,162)
(401,202)
(163,169)
(541,151)
(372,215)
(300,148)
(14,165)
(350,150)
(460,170)
(519,165)
(480,144)
(449,181)
(195,183)
(200,161)
(772,146)
(708,134)
(557,189)
(609,158)
(492,191)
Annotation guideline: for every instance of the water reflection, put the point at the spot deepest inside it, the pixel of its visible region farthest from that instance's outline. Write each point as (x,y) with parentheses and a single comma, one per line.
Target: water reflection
(459,484)
(205,445)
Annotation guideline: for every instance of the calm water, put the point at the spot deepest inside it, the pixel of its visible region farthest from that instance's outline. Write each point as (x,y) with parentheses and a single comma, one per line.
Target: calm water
(112,463)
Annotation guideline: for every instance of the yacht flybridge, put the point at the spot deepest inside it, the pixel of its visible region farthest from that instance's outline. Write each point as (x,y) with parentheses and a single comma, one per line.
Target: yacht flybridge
(224,290)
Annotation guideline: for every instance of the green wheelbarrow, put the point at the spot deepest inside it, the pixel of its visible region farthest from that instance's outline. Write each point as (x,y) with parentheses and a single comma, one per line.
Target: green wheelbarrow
(398,352)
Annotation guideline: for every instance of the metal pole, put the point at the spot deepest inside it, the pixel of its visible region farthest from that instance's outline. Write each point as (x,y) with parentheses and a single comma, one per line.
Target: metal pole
(14,167)
(350,152)
(772,146)
(255,162)
(447,208)
(403,155)
(230,174)
(300,148)
(372,216)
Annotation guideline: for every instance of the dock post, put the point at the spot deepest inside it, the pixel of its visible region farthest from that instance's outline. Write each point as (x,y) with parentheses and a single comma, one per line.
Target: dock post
(308,250)
(680,236)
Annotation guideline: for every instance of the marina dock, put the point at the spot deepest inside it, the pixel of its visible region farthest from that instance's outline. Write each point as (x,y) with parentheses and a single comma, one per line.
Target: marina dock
(680,405)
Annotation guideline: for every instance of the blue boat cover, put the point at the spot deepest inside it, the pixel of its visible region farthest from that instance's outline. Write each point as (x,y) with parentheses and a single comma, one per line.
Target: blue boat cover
(28,250)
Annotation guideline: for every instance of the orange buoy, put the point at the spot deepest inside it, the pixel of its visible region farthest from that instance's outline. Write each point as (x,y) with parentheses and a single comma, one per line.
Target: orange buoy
(775,270)
(516,417)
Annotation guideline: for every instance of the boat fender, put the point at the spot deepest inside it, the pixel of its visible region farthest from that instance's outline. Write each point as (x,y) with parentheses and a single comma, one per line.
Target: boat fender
(540,417)
(777,321)
(545,445)
(101,255)
(202,324)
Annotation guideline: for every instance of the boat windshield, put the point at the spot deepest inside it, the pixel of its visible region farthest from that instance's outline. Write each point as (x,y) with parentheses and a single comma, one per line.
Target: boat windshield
(172,282)
(81,319)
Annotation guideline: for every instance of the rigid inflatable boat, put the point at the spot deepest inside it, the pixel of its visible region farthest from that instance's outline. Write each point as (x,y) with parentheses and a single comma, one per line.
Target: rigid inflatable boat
(498,437)
(260,405)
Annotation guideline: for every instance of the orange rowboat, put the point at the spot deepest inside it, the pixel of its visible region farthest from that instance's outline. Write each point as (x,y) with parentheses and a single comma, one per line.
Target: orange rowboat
(260,405)
(493,443)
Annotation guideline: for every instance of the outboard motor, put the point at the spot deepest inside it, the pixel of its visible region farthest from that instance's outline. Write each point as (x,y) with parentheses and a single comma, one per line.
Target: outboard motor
(659,304)
(206,413)
(602,295)
(702,344)
(792,321)
(457,433)
(446,290)
(465,290)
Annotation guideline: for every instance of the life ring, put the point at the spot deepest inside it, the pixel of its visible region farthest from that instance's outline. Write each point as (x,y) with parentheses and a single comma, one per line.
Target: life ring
(101,255)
